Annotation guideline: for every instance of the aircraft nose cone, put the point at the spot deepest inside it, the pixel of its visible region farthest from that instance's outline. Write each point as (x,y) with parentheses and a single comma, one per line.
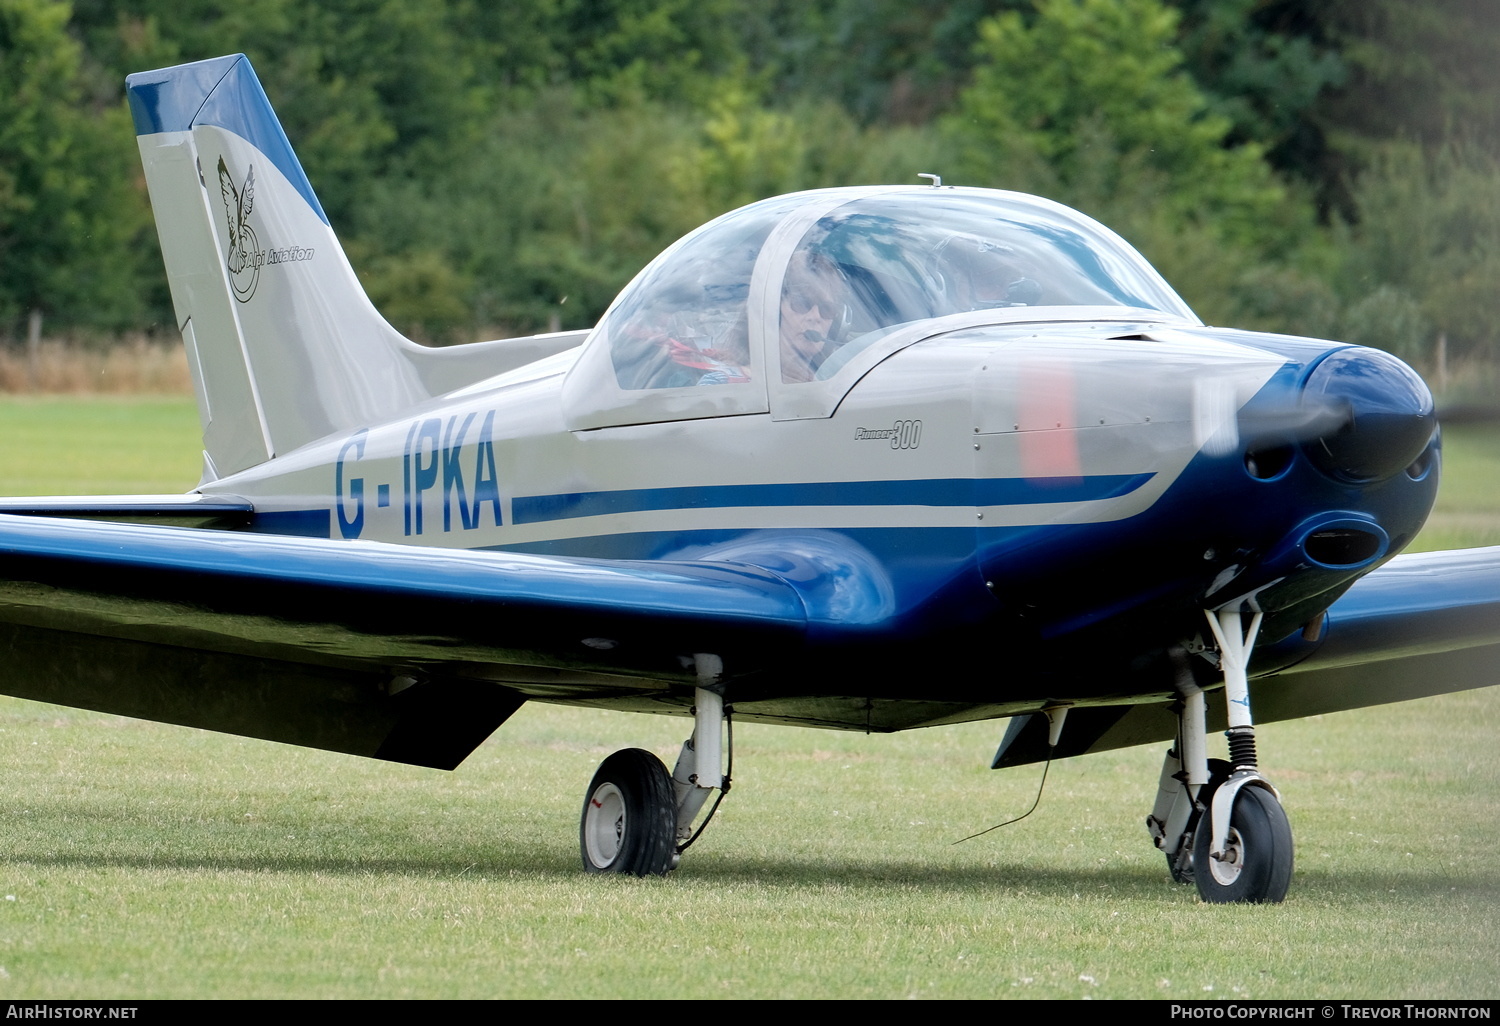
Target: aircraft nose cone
(1385,415)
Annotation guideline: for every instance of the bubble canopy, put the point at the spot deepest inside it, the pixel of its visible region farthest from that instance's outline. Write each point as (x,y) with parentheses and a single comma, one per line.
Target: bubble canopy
(790,296)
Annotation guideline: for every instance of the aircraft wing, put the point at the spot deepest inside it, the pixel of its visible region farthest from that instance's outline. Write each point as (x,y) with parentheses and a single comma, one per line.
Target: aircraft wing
(417,654)
(1424,624)
(399,652)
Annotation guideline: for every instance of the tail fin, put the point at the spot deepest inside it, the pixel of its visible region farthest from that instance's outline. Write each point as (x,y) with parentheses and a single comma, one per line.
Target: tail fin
(283,343)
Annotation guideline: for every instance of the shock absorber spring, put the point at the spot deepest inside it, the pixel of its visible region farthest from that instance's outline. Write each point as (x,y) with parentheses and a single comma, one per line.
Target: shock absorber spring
(1241,748)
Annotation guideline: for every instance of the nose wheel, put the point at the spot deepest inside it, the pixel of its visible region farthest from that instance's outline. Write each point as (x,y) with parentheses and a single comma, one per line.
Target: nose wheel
(1256,864)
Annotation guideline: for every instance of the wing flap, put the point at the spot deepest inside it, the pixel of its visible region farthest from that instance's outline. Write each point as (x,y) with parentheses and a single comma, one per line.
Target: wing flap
(433,721)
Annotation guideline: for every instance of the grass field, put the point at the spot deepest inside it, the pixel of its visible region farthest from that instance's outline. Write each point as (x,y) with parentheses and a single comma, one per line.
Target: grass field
(142,860)
(1468,507)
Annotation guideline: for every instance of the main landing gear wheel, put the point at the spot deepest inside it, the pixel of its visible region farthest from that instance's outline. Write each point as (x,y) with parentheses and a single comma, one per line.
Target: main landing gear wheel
(1257,862)
(629,820)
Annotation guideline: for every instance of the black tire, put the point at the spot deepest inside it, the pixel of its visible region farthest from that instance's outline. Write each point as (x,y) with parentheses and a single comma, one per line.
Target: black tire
(1260,839)
(1181,864)
(629,820)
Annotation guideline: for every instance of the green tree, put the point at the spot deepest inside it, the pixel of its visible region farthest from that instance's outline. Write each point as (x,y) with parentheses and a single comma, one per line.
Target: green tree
(662,50)
(1270,67)
(1422,72)
(749,149)
(1090,96)
(1427,246)
(69,213)
(884,61)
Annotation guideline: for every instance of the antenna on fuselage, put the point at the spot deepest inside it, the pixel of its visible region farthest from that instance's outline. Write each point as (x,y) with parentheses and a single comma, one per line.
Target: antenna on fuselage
(1057,714)
(937,180)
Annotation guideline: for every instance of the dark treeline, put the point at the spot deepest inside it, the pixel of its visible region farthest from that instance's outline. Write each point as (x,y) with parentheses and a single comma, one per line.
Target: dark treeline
(1324,167)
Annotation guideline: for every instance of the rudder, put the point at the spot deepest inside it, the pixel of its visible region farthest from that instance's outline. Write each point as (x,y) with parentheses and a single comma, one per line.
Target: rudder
(283,344)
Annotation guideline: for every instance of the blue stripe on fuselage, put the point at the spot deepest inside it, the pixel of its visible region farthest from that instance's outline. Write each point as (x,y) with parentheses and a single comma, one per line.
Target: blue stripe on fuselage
(1017,491)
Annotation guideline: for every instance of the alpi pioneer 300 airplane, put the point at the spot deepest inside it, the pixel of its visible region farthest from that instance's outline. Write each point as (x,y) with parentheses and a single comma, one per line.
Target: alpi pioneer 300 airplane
(866,458)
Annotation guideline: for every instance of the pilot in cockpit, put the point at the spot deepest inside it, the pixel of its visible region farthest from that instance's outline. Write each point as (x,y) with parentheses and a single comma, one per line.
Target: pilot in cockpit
(811,307)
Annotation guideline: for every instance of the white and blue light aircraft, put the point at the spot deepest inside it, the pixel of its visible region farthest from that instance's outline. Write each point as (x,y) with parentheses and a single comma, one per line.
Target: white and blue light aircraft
(867,459)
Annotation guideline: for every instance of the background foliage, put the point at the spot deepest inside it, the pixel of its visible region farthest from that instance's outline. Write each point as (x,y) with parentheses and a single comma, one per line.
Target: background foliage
(1314,166)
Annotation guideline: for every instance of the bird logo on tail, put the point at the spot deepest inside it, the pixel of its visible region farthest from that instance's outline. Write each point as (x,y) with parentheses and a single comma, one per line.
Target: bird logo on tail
(245,257)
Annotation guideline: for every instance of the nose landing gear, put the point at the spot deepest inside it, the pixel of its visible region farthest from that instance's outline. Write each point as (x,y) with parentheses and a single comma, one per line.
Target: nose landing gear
(1227,832)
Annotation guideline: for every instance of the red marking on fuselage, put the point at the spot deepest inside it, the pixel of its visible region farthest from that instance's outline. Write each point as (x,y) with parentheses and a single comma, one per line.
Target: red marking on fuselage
(1047,417)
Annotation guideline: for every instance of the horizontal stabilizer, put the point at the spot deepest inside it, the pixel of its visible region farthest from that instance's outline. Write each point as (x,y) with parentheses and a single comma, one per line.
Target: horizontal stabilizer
(191,510)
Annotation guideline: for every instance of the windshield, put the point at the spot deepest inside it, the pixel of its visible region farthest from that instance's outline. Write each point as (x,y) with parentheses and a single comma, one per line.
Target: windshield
(883,261)
(842,269)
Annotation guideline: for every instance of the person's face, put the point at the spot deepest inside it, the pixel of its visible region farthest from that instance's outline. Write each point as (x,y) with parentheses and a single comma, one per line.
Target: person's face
(804,329)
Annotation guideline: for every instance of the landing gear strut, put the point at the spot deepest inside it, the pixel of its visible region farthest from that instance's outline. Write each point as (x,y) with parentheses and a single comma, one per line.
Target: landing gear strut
(1221,825)
(636,819)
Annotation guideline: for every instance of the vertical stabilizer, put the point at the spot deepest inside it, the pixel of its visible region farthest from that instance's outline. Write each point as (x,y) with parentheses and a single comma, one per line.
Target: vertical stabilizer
(283,343)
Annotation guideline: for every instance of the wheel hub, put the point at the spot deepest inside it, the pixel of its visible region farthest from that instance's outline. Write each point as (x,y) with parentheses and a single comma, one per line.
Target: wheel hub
(1226,868)
(604,826)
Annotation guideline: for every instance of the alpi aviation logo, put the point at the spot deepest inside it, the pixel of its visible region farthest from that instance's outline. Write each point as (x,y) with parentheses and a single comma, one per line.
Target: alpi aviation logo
(246,258)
